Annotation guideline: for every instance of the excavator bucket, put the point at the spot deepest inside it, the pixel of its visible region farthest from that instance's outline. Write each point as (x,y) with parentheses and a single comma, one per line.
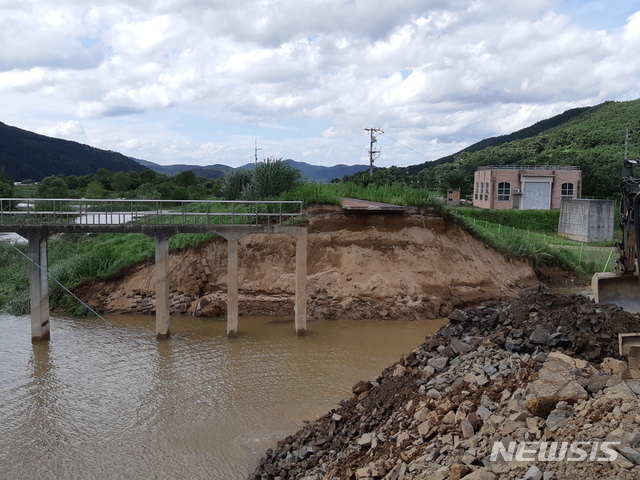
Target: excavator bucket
(629,345)
(621,290)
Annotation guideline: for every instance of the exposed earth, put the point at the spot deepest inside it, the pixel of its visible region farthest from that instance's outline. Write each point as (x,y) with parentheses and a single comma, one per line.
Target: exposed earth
(538,372)
(359,266)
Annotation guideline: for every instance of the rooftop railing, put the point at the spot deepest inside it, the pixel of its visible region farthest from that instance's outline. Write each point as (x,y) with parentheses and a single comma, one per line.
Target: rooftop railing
(67,211)
(529,167)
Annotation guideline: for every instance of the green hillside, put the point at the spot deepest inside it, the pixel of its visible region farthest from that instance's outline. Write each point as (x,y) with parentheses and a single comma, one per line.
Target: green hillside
(592,138)
(25,154)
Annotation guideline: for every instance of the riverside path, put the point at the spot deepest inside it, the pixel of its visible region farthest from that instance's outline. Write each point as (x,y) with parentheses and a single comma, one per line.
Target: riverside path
(37,218)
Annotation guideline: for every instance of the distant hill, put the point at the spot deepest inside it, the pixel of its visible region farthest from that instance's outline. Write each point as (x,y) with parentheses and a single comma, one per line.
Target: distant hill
(592,138)
(312,173)
(25,154)
(209,171)
(317,173)
(527,132)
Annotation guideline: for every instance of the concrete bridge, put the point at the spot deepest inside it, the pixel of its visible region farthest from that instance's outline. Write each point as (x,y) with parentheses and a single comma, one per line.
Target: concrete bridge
(37,218)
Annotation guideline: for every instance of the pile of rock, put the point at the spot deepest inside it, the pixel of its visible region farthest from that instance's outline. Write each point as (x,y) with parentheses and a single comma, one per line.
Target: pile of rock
(471,403)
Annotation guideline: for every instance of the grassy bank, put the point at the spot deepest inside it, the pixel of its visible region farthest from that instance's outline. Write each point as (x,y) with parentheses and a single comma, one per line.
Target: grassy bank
(73,259)
(397,194)
(545,221)
(531,234)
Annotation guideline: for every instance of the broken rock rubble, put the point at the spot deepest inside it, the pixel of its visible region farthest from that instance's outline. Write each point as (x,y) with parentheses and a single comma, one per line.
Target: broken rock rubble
(491,375)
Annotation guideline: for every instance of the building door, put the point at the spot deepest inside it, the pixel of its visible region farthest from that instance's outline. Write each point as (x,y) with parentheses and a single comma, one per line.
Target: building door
(536,196)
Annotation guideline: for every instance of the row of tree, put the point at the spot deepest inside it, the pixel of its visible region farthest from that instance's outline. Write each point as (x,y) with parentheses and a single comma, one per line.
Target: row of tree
(592,138)
(146,184)
(268,180)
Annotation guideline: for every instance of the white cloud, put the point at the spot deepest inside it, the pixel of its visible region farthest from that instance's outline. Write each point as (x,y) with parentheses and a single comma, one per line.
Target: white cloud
(442,74)
(70,130)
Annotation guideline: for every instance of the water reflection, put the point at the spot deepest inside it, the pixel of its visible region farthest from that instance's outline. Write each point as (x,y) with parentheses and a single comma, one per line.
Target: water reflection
(98,402)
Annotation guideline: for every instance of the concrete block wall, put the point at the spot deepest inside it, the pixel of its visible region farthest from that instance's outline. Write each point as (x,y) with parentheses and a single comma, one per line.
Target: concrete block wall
(586,220)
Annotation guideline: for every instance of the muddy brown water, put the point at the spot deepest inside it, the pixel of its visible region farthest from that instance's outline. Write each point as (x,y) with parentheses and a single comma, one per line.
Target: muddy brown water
(109,401)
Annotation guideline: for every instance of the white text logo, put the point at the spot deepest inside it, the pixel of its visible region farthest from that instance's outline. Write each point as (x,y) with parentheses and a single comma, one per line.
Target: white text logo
(555,451)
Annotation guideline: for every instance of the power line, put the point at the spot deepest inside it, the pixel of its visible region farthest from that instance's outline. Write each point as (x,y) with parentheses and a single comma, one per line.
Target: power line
(405,146)
(42,269)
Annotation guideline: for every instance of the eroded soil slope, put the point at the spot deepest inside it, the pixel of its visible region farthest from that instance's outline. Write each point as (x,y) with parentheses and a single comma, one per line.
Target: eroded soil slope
(359,266)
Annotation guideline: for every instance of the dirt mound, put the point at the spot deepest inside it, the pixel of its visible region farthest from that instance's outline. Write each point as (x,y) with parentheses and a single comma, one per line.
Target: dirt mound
(543,321)
(359,266)
(438,412)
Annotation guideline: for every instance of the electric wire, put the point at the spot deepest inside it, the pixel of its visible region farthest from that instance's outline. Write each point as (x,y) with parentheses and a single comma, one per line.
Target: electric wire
(69,291)
(403,145)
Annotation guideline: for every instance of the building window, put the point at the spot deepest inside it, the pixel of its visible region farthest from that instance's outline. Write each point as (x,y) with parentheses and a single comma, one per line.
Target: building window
(486,189)
(567,190)
(504,191)
(476,192)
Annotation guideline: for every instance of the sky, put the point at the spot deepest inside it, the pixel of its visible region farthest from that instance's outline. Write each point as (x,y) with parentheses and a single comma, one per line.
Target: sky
(208,82)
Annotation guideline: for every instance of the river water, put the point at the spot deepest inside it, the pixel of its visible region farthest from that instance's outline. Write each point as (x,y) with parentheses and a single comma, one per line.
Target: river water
(107,400)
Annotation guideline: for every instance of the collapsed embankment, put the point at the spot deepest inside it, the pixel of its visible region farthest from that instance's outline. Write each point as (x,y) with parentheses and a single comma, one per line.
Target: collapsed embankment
(359,266)
(538,374)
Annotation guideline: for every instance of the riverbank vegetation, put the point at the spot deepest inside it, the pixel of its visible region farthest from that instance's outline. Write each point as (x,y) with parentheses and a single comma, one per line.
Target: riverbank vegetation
(74,259)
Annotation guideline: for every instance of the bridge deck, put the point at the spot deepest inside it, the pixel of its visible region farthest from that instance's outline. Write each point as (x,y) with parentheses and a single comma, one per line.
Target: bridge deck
(37,218)
(355,204)
(146,216)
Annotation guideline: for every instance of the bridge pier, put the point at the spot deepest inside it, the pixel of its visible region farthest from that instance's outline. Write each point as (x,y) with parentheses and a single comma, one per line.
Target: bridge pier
(39,286)
(159,220)
(232,285)
(233,236)
(301,282)
(163,328)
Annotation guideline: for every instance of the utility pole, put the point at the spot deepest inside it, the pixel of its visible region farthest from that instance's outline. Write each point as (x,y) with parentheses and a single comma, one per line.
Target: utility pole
(256,151)
(627,140)
(373,154)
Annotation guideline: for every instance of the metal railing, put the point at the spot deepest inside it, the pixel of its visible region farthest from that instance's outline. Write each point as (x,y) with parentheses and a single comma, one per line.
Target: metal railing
(529,167)
(71,211)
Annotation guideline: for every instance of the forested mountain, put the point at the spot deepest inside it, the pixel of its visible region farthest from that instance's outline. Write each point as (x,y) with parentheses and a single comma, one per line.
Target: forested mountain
(527,132)
(592,138)
(25,154)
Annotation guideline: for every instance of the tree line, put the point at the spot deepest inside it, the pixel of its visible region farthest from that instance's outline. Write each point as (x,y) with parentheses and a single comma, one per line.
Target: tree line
(268,180)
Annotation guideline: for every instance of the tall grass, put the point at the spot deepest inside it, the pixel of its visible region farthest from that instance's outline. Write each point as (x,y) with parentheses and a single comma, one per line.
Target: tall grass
(534,220)
(73,259)
(543,250)
(333,193)
(14,279)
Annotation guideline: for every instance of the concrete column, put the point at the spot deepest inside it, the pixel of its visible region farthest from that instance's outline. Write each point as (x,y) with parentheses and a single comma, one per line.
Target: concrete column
(232,286)
(162,287)
(39,287)
(301,282)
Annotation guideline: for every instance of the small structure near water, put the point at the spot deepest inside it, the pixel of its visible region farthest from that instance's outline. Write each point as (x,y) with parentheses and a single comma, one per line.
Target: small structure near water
(585,220)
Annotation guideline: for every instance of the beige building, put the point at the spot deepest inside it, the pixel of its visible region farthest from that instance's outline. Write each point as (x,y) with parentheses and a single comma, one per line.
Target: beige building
(453,196)
(525,187)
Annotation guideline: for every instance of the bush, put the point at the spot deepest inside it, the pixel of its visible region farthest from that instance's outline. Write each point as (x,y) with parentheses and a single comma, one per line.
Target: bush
(234,183)
(268,180)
